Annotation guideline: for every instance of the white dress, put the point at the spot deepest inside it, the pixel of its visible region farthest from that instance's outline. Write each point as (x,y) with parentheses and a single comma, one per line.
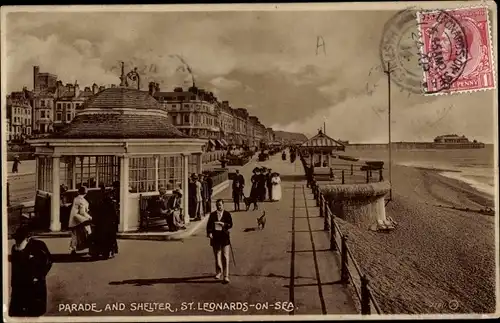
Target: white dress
(276,181)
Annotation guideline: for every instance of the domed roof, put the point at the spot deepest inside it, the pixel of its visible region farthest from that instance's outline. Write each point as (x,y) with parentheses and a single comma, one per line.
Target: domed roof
(121,97)
(120,113)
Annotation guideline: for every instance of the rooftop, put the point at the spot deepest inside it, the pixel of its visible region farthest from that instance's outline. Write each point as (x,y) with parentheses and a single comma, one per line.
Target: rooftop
(120,113)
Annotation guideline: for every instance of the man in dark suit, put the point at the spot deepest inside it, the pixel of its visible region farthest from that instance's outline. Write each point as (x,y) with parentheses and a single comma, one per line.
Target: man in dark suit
(218,226)
(269,184)
(238,186)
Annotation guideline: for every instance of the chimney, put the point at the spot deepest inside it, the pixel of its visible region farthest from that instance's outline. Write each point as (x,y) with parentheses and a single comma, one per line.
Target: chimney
(152,88)
(36,70)
(59,88)
(77,89)
(157,87)
(102,88)
(94,88)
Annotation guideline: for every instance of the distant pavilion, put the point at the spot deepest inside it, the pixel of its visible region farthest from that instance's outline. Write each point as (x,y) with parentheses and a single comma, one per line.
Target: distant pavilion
(320,149)
(121,135)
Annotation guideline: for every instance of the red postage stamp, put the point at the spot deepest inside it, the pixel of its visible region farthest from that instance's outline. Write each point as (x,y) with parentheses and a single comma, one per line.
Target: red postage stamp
(456,52)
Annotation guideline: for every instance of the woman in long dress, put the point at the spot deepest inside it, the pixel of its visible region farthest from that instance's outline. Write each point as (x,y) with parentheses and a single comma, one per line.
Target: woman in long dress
(79,222)
(276,183)
(254,191)
(31,261)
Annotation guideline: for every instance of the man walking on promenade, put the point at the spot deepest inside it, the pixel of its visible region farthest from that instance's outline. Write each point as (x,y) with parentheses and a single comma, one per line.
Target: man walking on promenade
(218,226)
(15,165)
(238,186)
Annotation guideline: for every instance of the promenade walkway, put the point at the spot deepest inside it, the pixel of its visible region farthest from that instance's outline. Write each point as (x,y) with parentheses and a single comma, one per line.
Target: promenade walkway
(287,262)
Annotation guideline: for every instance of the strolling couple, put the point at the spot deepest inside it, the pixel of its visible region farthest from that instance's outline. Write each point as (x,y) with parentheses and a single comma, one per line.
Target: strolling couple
(101,240)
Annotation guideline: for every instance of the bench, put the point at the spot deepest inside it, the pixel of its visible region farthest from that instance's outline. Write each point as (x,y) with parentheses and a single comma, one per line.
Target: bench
(149,211)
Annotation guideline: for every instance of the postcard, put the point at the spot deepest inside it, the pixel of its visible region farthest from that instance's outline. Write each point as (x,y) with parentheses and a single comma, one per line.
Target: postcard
(353,147)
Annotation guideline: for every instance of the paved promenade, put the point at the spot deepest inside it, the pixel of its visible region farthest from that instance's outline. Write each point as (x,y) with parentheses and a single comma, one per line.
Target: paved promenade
(172,272)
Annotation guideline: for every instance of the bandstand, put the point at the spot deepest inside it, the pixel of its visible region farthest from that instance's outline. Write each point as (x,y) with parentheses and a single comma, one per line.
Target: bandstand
(120,136)
(320,149)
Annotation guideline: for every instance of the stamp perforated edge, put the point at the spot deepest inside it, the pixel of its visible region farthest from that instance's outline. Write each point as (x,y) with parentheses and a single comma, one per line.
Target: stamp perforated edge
(491,54)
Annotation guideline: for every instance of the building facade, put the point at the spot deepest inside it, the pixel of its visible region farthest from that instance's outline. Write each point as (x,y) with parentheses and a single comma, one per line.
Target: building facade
(69,100)
(20,115)
(194,112)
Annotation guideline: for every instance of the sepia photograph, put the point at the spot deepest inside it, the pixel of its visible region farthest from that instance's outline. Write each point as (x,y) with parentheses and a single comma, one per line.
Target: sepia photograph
(239,162)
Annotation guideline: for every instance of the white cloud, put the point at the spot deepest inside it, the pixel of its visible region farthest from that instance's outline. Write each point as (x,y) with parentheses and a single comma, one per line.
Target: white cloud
(225,84)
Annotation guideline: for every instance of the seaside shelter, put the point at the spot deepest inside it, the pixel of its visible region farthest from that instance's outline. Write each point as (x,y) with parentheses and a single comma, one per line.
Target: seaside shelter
(121,135)
(320,149)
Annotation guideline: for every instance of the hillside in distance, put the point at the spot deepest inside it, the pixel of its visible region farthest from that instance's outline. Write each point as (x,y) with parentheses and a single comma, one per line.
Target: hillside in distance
(289,136)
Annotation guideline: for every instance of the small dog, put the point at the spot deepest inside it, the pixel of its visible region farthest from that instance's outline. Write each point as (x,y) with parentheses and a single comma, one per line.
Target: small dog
(261,221)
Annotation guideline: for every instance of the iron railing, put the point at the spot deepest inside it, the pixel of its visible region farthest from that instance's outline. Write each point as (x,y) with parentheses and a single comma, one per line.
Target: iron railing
(220,178)
(352,274)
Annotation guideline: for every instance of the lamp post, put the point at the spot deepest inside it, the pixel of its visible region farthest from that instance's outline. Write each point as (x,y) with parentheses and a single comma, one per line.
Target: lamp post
(388,71)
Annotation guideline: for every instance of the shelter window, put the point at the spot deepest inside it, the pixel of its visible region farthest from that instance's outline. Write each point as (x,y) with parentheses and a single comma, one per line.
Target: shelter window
(58,116)
(109,169)
(170,172)
(186,118)
(86,172)
(45,174)
(142,175)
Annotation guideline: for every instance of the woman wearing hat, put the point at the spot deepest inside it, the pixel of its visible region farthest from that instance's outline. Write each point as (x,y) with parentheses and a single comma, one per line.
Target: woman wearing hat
(276,190)
(79,222)
(31,261)
(254,192)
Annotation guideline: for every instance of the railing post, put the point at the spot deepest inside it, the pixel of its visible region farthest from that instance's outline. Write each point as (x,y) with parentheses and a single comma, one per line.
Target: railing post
(367,176)
(344,275)
(365,296)
(352,169)
(343,179)
(321,209)
(333,245)
(8,194)
(325,222)
(318,196)
(380,175)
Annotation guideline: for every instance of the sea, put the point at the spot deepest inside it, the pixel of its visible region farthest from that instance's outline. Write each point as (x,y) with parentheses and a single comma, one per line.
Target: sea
(475,167)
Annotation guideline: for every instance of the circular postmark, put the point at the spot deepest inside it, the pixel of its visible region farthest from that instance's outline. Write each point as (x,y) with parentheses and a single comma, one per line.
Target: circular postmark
(425,51)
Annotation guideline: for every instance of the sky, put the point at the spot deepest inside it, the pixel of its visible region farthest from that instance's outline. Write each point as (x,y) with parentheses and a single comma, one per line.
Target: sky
(266,62)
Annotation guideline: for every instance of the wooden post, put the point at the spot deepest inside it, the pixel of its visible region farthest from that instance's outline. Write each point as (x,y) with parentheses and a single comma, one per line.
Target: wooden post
(343,178)
(380,175)
(8,194)
(318,196)
(344,275)
(333,245)
(365,296)
(321,207)
(352,169)
(325,222)
(367,176)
